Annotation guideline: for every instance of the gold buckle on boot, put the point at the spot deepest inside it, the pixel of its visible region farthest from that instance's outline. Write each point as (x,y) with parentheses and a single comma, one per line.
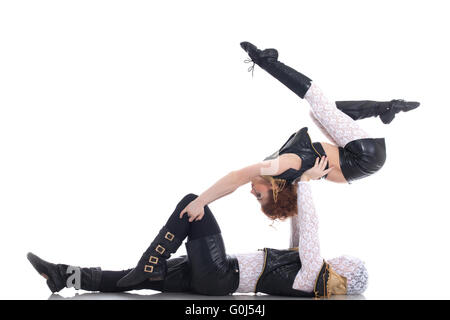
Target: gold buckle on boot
(153,260)
(169,236)
(160,249)
(148,268)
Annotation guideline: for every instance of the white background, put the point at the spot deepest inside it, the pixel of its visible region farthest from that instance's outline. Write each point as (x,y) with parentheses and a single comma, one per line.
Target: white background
(112,111)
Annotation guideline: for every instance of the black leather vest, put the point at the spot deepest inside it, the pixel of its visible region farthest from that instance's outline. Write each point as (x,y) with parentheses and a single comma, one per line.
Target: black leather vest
(300,144)
(279,272)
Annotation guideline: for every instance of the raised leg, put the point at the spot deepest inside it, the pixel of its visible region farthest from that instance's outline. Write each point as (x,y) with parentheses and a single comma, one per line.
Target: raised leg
(341,127)
(358,155)
(152,265)
(299,84)
(175,275)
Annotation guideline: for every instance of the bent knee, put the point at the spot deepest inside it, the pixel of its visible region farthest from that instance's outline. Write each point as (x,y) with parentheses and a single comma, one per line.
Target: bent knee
(189,197)
(186,200)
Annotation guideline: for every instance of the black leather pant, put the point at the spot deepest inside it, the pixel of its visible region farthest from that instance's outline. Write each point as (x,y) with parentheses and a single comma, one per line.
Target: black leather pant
(362,157)
(206,269)
(212,271)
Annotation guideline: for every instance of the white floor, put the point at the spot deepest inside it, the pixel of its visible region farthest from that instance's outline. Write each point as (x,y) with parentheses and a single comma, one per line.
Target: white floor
(33,287)
(181,296)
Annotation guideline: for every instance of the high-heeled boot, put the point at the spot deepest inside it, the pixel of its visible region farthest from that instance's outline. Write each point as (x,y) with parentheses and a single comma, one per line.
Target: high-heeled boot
(61,276)
(268,60)
(385,110)
(153,263)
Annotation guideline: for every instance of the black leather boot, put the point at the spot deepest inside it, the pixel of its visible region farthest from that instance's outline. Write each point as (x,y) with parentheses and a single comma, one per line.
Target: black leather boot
(385,110)
(60,276)
(256,55)
(268,60)
(395,107)
(153,264)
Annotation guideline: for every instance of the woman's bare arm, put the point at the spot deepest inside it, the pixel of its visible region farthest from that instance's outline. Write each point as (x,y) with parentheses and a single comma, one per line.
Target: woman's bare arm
(237,178)
(233,180)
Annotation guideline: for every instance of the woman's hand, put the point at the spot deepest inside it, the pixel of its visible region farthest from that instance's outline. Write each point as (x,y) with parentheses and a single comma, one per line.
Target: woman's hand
(318,171)
(195,210)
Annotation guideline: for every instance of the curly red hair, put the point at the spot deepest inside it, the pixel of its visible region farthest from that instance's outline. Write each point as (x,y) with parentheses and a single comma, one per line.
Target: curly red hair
(286,205)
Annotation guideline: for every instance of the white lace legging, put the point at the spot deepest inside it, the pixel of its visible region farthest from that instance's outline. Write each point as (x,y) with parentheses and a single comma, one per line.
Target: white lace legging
(338,125)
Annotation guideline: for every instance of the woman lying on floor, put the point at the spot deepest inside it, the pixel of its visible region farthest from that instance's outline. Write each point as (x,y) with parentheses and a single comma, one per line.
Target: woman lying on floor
(208,270)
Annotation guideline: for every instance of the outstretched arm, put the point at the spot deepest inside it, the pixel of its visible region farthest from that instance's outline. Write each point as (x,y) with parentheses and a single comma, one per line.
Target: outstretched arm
(234,180)
(308,230)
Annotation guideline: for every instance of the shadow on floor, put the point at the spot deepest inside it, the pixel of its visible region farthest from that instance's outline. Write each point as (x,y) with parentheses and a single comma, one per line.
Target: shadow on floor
(185,296)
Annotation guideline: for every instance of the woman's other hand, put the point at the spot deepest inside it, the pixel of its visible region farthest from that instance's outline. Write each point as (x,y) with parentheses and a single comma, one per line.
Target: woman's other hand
(195,210)
(318,171)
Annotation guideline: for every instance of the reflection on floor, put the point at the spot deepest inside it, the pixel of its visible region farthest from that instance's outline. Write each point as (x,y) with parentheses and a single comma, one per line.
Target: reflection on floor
(185,296)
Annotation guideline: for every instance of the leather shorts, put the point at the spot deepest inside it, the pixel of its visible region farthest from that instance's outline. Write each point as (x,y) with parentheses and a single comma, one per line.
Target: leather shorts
(361,158)
(212,271)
